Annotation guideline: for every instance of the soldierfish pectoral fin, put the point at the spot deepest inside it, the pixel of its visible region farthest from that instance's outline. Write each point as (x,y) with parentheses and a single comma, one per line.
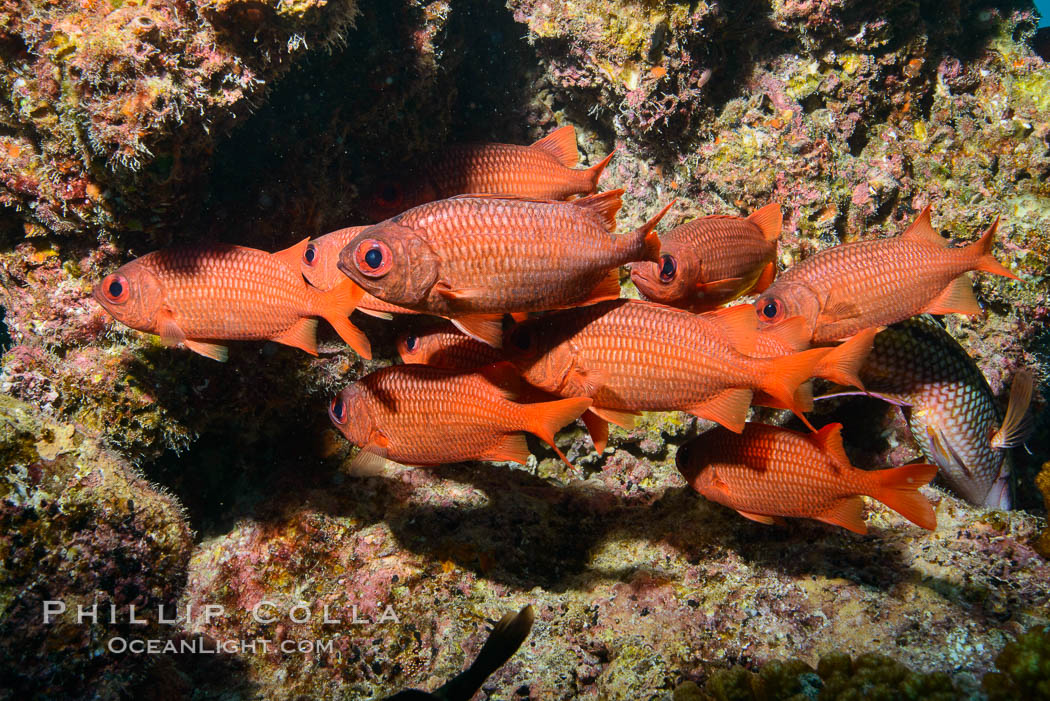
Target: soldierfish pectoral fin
(487,328)
(584,381)
(728,408)
(369,464)
(560,143)
(719,288)
(957,298)
(848,513)
(598,428)
(302,335)
(1018,424)
(168,329)
(208,350)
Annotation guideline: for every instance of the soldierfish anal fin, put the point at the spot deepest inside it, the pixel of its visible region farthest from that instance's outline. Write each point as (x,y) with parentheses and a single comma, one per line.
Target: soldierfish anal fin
(512,447)
(847,512)
(728,408)
(982,251)
(922,230)
(1018,423)
(598,428)
(829,440)
(604,205)
(898,488)
(621,417)
(561,143)
(957,298)
(302,335)
(594,173)
(769,219)
(546,418)
(487,328)
(843,364)
(208,350)
(738,326)
(760,518)
(293,255)
(607,289)
(765,278)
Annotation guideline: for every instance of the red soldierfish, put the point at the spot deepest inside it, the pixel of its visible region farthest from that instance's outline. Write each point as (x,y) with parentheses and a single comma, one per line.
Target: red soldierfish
(854,286)
(471,259)
(446,347)
(711,261)
(319,267)
(633,356)
(543,171)
(766,472)
(420,415)
(202,294)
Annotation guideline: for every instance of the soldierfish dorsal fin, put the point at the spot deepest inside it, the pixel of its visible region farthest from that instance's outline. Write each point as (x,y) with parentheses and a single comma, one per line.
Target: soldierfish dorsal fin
(922,230)
(561,143)
(769,220)
(738,326)
(1017,424)
(829,440)
(605,205)
(293,255)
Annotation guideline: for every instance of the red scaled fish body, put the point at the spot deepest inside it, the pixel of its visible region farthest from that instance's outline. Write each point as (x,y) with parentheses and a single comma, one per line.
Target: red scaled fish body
(633,356)
(711,261)
(766,472)
(544,171)
(202,294)
(419,415)
(469,258)
(855,286)
(319,267)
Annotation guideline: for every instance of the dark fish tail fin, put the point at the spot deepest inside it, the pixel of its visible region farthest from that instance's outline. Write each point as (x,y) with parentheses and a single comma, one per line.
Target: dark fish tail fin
(981,250)
(546,418)
(842,365)
(595,171)
(504,640)
(338,302)
(898,488)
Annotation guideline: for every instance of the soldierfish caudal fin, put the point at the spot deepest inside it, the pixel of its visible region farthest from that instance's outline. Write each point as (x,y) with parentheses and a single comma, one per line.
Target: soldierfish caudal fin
(785,375)
(504,640)
(1017,425)
(898,488)
(769,220)
(546,418)
(561,143)
(595,171)
(643,242)
(981,250)
(842,365)
(605,205)
(337,303)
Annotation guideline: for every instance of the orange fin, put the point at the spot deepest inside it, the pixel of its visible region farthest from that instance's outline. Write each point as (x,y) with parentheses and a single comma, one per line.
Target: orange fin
(604,205)
(338,303)
(487,328)
(386,316)
(646,235)
(598,428)
(769,219)
(720,288)
(792,332)
(786,373)
(829,440)
(765,278)
(370,464)
(513,447)
(982,250)
(585,382)
(595,171)
(957,298)
(847,512)
(293,255)
(459,293)
(302,335)
(729,408)
(898,488)
(561,143)
(607,289)
(922,230)
(761,518)
(842,365)
(1017,424)
(621,417)
(546,418)
(168,329)
(208,350)
(519,317)
(738,326)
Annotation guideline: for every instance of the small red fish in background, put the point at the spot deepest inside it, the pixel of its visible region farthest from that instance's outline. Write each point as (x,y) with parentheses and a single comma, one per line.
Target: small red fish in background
(471,259)
(319,267)
(446,346)
(711,261)
(198,295)
(420,415)
(632,356)
(767,472)
(865,284)
(546,170)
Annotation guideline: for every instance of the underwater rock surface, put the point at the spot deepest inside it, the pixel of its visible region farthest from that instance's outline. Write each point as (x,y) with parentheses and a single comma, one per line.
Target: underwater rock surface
(130,126)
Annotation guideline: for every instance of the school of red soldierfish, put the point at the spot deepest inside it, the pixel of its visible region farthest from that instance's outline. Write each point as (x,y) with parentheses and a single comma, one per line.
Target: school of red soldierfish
(486,235)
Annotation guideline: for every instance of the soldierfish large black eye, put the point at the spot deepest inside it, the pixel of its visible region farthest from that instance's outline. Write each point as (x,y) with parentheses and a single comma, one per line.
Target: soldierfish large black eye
(771,310)
(668,268)
(337,410)
(310,254)
(412,343)
(373,258)
(115,288)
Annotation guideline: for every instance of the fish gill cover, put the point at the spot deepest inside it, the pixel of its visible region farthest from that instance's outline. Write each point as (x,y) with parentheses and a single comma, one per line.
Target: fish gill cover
(137,475)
